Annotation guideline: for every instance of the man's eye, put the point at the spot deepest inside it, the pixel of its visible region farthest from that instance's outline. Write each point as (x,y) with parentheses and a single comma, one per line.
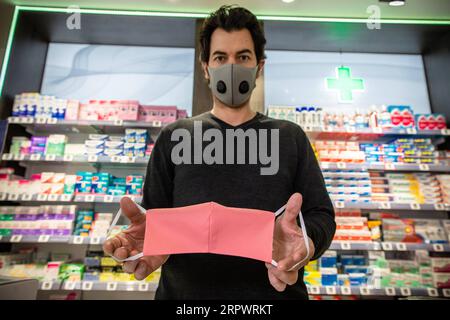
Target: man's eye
(220,58)
(244,58)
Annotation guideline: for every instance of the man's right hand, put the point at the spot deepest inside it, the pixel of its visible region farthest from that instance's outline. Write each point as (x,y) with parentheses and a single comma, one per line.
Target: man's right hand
(131,241)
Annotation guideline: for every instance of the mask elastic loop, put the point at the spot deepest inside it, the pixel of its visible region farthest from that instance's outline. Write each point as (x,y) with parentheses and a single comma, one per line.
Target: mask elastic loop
(113,224)
(305,237)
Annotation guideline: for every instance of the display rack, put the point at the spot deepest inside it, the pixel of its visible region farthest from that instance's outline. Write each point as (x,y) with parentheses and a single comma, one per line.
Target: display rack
(282,35)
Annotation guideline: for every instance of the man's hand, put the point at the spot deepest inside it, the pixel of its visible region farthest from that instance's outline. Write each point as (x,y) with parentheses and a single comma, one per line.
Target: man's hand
(288,246)
(131,241)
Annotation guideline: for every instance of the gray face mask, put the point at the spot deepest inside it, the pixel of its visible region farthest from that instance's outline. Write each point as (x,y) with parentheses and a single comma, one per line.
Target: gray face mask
(232,84)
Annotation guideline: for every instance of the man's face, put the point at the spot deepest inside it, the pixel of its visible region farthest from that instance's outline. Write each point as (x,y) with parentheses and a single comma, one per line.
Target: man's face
(234,47)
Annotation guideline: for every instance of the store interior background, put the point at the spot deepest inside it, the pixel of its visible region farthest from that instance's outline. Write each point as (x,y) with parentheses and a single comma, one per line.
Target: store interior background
(405,63)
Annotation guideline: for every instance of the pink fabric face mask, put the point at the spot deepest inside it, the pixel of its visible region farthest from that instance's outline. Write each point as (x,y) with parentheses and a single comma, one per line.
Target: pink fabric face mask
(210,228)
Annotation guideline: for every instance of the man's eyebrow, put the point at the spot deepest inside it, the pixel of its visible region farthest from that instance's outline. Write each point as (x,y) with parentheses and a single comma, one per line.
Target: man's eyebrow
(219,52)
(244,51)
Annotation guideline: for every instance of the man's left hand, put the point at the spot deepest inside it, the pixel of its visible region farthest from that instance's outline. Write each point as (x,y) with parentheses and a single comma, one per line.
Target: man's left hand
(288,246)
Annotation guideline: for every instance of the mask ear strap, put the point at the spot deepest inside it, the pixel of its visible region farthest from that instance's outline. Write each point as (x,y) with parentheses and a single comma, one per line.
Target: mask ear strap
(305,237)
(113,224)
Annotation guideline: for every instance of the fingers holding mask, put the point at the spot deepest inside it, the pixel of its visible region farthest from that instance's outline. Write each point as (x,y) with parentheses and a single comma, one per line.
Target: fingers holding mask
(287,277)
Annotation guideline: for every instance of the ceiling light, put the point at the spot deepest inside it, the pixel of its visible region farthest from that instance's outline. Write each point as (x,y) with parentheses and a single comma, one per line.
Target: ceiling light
(288,1)
(395,3)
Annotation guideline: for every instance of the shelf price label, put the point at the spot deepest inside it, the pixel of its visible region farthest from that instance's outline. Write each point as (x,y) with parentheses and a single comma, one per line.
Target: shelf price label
(43,238)
(415,206)
(432,292)
(3,196)
(66,197)
(424,167)
(26,197)
(35,157)
(405,292)
(346,290)
(68,158)
(42,197)
(47,285)
(364,291)
(389,166)
(92,158)
(13,119)
(125,159)
(41,120)
(115,159)
(411,131)
(19,157)
(346,245)
(156,123)
(118,122)
(13,196)
(87,285)
(308,128)
(377,130)
(446,292)
(16,238)
(109,198)
(439,206)
(350,129)
(89,198)
(95,240)
(52,121)
(339,204)
(325,165)
(78,240)
(445,132)
(384,205)
(111,286)
(389,291)
(400,246)
(70,285)
(314,289)
(52,197)
(330,290)
(50,157)
(438,247)
(341,165)
(387,246)
(143,286)
(7,156)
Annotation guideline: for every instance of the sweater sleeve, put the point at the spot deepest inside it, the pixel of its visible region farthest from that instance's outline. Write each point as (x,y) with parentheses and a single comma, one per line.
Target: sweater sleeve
(158,184)
(317,208)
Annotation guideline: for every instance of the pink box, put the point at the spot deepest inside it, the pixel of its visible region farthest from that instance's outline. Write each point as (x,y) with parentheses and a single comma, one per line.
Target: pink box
(72,110)
(164,114)
(181,114)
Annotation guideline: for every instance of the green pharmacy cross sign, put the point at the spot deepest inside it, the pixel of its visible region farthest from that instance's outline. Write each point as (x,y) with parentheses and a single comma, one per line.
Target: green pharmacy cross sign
(345,84)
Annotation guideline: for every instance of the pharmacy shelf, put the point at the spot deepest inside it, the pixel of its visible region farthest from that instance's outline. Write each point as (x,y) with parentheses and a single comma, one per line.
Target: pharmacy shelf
(389,246)
(384,292)
(53,125)
(351,133)
(441,167)
(138,286)
(337,245)
(120,160)
(79,198)
(37,158)
(374,205)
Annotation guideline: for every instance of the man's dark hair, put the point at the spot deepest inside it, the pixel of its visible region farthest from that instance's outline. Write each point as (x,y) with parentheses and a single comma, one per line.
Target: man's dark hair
(232,18)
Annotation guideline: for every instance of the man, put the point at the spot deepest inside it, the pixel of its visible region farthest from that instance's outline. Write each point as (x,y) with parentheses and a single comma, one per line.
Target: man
(232,57)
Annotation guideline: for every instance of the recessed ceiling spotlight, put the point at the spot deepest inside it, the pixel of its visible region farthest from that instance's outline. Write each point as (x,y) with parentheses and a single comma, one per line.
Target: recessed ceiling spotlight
(288,1)
(395,3)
